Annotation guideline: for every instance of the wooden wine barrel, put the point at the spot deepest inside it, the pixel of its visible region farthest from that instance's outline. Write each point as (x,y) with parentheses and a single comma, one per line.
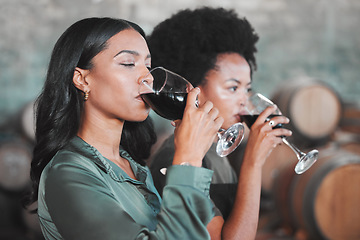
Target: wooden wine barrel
(22,123)
(313,107)
(27,120)
(324,201)
(351,118)
(347,141)
(15,161)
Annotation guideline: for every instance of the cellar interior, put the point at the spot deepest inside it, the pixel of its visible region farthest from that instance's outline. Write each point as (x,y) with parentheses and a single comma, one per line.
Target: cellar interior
(308,56)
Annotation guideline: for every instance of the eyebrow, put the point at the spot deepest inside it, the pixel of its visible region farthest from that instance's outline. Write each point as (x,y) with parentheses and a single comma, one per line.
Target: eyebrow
(233,80)
(238,82)
(130,52)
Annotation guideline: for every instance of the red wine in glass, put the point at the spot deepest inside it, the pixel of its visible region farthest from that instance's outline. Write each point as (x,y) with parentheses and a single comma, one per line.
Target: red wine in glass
(166,94)
(250,119)
(166,104)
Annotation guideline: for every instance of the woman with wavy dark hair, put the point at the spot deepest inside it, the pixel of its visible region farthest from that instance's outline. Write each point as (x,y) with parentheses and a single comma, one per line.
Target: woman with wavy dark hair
(215,50)
(93,134)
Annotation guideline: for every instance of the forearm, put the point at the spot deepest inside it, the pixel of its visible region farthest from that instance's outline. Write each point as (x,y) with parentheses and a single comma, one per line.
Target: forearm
(243,220)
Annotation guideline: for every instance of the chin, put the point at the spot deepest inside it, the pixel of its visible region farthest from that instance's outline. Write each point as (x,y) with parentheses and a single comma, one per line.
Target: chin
(226,125)
(140,118)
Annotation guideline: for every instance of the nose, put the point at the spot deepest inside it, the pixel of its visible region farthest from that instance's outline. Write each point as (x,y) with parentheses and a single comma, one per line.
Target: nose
(146,77)
(243,97)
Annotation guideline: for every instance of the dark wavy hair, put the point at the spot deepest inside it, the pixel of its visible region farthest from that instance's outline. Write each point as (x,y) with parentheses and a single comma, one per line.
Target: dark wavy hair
(189,42)
(60,104)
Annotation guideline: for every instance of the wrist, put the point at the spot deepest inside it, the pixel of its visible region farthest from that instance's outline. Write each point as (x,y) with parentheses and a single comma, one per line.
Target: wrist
(184,161)
(185,164)
(252,164)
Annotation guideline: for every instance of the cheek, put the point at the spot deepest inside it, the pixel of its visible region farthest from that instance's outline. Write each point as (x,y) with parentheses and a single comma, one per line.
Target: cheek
(225,105)
(110,94)
(219,98)
(228,106)
(223,100)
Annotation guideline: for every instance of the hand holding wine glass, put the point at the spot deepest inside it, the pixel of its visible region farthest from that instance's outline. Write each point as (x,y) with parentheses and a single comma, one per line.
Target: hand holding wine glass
(195,129)
(167,96)
(256,104)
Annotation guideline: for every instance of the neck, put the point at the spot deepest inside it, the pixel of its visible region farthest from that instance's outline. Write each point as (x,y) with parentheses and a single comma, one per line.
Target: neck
(104,136)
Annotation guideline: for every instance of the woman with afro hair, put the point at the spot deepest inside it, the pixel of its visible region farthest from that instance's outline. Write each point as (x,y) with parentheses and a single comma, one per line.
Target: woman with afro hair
(214,49)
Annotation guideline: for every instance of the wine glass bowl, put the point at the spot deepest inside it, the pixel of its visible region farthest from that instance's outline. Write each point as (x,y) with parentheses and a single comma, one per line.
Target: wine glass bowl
(256,104)
(166,94)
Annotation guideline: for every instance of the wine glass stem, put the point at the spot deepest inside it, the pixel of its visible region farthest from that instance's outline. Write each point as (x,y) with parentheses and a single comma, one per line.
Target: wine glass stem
(221,131)
(298,153)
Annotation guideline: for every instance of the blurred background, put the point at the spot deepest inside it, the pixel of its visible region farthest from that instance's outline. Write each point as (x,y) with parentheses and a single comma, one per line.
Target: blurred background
(308,63)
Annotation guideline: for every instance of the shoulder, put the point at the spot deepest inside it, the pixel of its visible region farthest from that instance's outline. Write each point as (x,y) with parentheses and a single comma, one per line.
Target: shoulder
(65,157)
(69,166)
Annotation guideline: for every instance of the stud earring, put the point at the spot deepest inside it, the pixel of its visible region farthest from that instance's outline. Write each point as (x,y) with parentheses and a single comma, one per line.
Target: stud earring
(86,95)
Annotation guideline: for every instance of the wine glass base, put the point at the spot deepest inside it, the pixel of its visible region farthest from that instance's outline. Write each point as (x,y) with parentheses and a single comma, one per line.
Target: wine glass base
(230,139)
(306,161)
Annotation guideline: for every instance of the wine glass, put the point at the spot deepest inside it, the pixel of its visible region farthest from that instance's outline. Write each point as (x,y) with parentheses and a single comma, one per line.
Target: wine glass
(258,103)
(167,95)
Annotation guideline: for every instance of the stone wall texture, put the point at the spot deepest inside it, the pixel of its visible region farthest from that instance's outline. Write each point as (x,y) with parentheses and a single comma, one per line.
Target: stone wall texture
(318,39)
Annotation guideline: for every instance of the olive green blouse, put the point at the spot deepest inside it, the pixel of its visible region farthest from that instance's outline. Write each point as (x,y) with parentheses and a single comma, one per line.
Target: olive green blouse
(83,195)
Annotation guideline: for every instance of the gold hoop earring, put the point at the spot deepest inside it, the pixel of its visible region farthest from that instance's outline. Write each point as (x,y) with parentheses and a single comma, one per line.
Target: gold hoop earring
(86,95)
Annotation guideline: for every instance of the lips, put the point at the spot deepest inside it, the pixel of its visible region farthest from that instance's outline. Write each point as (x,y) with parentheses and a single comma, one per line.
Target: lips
(238,118)
(140,99)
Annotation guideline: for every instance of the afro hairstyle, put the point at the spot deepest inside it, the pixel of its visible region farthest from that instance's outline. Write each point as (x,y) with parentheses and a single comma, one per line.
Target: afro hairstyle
(189,42)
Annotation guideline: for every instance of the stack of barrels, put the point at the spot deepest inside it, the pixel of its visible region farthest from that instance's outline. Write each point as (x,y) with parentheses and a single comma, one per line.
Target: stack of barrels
(16,144)
(323,202)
